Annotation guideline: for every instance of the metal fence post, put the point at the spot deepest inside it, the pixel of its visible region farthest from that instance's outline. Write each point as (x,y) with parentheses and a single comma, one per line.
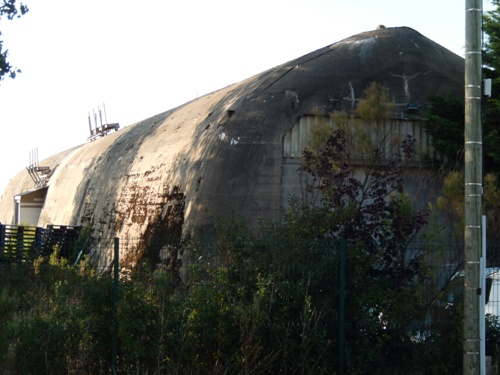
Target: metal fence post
(342,266)
(115,305)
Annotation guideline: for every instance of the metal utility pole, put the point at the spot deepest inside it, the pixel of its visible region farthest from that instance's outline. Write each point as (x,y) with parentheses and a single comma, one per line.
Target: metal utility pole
(473,186)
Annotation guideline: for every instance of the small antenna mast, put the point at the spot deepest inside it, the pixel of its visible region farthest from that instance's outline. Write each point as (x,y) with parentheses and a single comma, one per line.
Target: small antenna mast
(104,128)
(95,120)
(105,116)
(100,114)
(90,124)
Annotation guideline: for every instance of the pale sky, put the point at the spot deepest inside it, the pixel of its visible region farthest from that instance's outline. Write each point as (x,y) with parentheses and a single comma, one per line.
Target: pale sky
(144,57)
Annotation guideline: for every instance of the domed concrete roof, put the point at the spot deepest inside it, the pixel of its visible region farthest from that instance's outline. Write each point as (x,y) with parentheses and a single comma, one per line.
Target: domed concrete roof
(223,151)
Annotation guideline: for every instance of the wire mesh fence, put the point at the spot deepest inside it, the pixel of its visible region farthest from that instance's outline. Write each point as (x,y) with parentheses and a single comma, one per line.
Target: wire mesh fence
(279,295)
(242,304)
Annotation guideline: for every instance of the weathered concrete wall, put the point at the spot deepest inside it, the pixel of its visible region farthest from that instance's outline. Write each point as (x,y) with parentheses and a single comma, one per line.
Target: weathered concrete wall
(224,150)
(120,184)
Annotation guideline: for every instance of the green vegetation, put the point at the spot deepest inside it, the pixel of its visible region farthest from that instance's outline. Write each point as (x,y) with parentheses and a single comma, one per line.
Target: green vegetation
(260,301)
(266,303)
(445,124)
(267,300)
(10,10)
(491,27)
(376,105)
(445,121)
(491,109)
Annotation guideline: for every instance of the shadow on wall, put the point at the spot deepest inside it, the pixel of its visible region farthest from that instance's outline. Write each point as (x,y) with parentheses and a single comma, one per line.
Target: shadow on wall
(97,196)
(235,144)
(164,232)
